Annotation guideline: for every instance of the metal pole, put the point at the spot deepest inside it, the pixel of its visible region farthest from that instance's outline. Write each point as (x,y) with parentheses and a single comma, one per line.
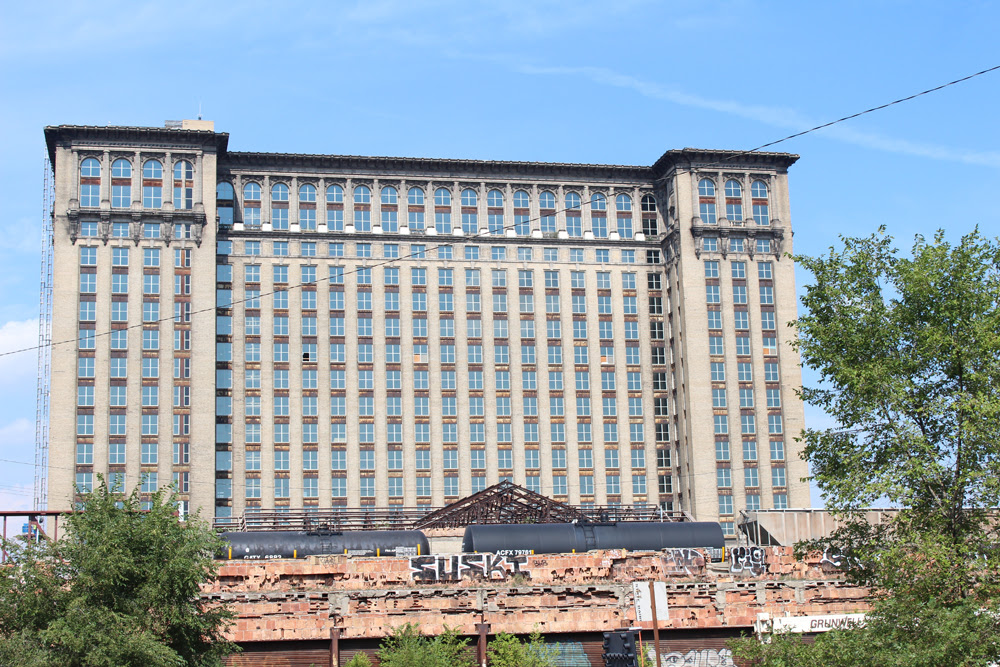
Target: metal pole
(334,647)
(483,629)
(656,625)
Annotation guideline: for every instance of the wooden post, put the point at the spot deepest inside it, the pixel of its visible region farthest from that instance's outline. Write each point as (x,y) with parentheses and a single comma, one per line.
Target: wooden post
(656,625)
(484,629)
(334,647)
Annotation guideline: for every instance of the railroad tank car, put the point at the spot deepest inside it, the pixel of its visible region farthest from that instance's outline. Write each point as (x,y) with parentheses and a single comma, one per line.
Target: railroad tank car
(552,538)
(268,545)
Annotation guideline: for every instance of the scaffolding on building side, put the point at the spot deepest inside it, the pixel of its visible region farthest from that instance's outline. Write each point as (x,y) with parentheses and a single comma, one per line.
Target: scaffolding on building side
(42,394)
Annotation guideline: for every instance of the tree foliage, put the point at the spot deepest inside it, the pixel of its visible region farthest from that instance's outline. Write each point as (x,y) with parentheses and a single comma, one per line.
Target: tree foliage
(907,350)
(407,647)
(508,651)
(121,587)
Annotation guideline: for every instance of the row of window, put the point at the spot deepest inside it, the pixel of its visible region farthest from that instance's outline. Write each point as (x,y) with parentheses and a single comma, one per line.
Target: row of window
(733,202)
(760,246)
(392,459)
(751,477)
(779,500)
(748,424)
(415,196)
(366,486)
(446,276)
(152,184)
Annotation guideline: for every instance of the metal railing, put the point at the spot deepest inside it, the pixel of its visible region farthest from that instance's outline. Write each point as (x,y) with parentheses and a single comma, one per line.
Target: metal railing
(405,518)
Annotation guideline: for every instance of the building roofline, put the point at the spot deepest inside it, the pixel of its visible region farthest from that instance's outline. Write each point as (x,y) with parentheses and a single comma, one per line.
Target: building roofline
(721,159)
(453,168)
(129,135)
(690,158)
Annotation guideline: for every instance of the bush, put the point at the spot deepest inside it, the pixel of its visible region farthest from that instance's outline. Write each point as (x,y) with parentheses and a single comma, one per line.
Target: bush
(360,660)
(508,651)
(407,647)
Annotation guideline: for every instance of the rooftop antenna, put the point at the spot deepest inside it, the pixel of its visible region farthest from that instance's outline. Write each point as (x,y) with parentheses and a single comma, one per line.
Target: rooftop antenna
(199,109)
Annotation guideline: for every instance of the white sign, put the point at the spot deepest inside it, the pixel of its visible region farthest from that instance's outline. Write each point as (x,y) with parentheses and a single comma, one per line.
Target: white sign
(643,605)
(825,623)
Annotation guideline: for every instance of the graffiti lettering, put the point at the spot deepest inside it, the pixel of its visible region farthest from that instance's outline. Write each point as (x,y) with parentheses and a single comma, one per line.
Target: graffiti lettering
(686,562)
(832,558)
(747,560)
(708,657)
(466,566)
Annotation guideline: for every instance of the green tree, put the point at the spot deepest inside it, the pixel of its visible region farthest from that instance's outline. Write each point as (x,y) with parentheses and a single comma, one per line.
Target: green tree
(407,647)
(908,353)
(360,659)
(507,650)
(119,588)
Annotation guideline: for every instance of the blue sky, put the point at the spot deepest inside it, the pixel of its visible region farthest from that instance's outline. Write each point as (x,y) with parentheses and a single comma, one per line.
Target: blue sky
(551,80)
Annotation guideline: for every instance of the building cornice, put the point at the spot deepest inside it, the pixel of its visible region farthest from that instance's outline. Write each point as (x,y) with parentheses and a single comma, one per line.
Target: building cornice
(441,168)
(133,137)
(702,158)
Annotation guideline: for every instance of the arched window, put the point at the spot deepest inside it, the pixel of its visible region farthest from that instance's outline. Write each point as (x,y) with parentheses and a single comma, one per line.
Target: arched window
(469,197)
(734,201)
(706,201)
(335,195)
(598,202)
(546,200)
(389,195)
(623,208)
(121,186)
(152,185)
(761,210)
(251,205)
(547,207)
(183,171)
(224,196)
(279,207)
(572,201)
(648,206)
(184,185)
(121,168)
(90,168)
(521,202)
(152,169)
(415,197)
(90,182)
(494,199)
(307,207)
(362,215)
(279,192)
(442,197)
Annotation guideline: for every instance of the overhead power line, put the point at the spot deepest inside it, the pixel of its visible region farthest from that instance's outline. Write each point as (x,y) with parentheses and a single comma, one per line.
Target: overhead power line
(465,239)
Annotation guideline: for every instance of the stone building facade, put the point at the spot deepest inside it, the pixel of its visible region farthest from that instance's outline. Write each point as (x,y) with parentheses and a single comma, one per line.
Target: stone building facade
(295,331)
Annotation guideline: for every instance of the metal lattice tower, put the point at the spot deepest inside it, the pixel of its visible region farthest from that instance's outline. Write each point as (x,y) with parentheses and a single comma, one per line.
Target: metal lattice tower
(44,342)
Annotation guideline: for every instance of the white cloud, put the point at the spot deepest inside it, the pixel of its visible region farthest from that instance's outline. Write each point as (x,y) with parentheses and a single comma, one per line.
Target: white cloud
(782,117)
